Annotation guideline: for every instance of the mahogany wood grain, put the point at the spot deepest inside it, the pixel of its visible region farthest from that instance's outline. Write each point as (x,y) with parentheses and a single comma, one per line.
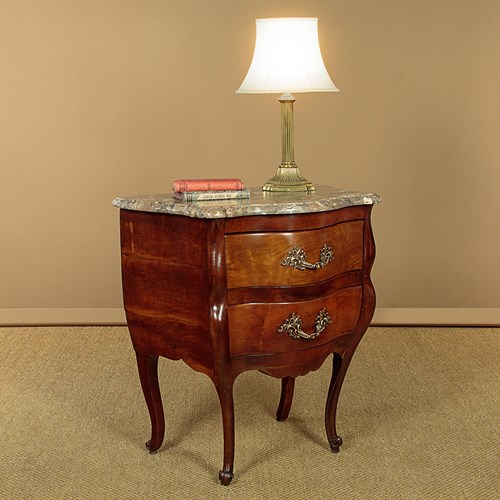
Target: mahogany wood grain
(163,260)
(255,259)
(173,340)
(163,236)
(253,328)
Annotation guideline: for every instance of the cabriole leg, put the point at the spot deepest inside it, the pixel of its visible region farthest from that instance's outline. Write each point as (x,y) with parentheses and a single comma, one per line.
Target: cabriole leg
(148,374)
(287,386)
(338,372)
(227,409)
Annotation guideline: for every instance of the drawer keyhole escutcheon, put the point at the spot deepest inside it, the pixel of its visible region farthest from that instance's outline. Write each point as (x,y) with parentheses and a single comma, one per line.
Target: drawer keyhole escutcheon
(296,258)
(293,325)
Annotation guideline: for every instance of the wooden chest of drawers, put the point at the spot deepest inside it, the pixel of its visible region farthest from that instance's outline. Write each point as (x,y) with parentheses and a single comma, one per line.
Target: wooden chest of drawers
(275,293)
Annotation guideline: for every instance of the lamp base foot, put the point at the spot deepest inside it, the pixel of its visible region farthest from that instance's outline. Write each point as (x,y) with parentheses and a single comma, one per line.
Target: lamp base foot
(288,179)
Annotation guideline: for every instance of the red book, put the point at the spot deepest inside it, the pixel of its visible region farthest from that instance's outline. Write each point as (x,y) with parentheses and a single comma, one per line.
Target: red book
(187,185)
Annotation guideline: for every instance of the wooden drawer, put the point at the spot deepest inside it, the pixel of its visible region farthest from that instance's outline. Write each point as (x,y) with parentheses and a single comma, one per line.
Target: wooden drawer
(255,259)
(254,327)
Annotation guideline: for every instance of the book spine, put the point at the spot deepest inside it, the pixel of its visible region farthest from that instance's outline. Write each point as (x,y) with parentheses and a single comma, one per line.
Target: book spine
(186,185)
(212,195)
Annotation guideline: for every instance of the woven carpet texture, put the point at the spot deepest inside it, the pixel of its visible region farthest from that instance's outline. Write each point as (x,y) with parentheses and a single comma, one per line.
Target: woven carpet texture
(418,413)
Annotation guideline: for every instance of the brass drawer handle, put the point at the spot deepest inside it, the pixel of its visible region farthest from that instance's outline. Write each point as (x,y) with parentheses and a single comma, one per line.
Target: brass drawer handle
(296,258)
(293,325)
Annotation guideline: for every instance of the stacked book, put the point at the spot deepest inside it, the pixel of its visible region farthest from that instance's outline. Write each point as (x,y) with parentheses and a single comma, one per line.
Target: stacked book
(209,189)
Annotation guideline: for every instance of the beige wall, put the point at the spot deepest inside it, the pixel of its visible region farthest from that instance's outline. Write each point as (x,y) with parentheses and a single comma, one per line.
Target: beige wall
(101,98)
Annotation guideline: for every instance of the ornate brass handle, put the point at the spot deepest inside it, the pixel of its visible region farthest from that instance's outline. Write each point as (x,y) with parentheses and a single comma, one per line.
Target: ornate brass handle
(293,325)
(296,258)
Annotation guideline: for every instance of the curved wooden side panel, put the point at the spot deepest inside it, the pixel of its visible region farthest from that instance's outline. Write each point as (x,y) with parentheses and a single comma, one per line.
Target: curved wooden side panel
(173,238)
(369,297)
(170,339)
(157,288)
(164,275)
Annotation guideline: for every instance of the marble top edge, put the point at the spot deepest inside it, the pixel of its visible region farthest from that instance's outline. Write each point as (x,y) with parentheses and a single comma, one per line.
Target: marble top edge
(324,198)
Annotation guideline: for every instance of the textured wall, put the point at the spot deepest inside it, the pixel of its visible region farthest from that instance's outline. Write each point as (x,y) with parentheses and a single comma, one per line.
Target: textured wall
(101,98)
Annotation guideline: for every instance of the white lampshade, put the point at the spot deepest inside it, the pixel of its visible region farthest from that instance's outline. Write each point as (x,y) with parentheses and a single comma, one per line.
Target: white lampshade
(287,58)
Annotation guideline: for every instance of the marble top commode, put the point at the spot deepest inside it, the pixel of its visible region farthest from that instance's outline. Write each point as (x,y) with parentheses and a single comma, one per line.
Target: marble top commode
(324,198)
(228,293)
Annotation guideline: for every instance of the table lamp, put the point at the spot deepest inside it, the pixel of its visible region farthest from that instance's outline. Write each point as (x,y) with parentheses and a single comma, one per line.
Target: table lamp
(287,59)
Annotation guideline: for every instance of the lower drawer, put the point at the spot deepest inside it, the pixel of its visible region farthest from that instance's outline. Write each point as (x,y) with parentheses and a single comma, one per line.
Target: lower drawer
(275,328)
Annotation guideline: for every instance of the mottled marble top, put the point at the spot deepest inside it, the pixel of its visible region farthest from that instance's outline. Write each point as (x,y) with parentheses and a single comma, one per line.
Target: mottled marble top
(323,199)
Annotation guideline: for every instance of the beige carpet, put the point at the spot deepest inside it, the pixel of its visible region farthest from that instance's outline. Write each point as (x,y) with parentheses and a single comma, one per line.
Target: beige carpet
(419,415)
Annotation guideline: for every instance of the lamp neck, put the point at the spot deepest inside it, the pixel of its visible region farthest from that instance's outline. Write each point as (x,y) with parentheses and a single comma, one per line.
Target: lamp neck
(288,177)
(287,130)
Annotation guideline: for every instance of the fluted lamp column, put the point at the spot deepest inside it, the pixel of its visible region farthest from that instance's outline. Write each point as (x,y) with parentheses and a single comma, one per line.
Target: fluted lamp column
(287,58)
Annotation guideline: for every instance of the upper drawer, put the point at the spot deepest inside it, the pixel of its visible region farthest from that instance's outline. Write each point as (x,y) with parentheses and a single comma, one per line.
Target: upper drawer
(257,259)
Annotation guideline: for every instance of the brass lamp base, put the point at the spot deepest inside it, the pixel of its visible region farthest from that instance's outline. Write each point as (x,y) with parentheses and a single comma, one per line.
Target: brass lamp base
(288,178)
